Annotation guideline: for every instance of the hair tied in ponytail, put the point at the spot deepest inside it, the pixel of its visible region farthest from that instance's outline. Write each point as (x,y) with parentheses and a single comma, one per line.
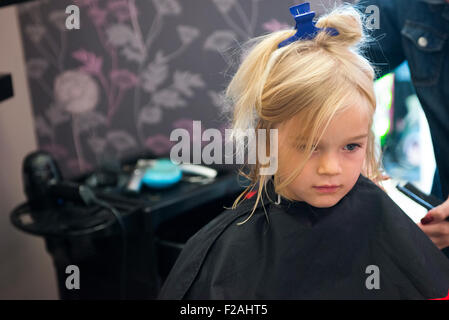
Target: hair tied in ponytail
(305,25)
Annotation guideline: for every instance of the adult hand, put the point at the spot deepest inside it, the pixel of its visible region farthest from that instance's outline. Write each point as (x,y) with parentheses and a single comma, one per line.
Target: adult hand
(434,224)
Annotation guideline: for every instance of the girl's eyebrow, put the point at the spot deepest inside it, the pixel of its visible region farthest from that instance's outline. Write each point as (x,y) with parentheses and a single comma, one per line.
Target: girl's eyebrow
(358,137)
(302,139)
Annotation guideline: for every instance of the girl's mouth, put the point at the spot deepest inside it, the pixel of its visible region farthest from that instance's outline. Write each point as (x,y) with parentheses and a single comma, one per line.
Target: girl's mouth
(327,189)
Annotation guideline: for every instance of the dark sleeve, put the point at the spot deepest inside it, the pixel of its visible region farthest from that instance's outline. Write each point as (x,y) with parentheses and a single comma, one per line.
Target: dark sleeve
(418,269)
(384,49)
(192,256)
(188,263)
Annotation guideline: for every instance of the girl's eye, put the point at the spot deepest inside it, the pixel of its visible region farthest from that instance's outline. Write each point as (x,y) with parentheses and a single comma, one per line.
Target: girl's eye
(352,146)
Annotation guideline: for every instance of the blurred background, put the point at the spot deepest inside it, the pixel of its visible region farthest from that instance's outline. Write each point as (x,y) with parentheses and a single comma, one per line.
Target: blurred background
(134,71)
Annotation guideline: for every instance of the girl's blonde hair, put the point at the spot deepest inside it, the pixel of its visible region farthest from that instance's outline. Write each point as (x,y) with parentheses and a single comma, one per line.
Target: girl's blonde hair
(308,80)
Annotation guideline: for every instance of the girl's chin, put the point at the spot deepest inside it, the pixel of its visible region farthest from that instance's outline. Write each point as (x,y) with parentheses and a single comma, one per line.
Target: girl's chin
(324,202)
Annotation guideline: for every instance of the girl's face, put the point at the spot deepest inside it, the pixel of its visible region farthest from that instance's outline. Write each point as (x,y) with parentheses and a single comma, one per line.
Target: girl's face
(336,162)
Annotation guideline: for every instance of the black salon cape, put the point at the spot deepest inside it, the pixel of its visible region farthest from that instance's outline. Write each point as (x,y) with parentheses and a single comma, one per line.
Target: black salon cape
(306,252)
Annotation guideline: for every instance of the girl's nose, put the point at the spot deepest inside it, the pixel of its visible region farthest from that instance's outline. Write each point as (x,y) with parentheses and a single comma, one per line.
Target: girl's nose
(329,164)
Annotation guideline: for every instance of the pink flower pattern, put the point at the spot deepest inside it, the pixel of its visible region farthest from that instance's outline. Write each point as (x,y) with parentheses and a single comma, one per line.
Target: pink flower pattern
(124,79)
(92,63)
(125,66)
(159,144)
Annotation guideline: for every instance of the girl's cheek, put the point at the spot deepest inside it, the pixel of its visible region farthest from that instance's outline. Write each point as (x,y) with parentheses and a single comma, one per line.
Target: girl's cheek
(354,160)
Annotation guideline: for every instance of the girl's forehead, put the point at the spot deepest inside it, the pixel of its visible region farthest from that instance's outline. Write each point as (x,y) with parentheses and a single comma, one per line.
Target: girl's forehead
(352,121)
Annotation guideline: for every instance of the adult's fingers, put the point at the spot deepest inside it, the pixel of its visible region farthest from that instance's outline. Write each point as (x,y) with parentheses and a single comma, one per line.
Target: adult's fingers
(435,229)
(438,234)
(437,214)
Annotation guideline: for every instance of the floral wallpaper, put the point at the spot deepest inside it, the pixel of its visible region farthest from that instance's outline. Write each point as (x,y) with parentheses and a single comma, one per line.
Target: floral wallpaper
(134,70)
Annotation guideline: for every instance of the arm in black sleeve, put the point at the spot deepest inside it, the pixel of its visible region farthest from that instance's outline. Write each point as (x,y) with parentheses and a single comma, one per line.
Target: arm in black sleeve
(385,47)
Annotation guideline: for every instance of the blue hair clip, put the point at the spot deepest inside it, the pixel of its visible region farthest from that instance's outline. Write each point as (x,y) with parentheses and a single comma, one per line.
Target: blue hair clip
(305,25)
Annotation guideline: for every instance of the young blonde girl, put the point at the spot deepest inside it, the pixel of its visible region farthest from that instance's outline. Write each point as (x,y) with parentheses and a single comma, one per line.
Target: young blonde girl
(309,81)
(327,221)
